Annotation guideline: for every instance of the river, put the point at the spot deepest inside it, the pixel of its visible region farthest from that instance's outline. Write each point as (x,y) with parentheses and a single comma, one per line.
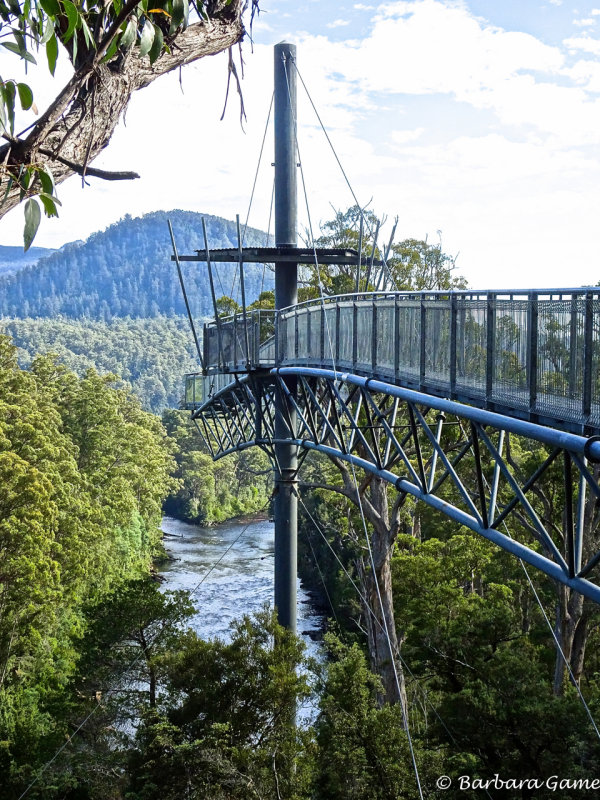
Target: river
(241,583)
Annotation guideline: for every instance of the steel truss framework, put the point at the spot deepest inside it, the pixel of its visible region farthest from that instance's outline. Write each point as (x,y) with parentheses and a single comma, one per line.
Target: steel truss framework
(457,459)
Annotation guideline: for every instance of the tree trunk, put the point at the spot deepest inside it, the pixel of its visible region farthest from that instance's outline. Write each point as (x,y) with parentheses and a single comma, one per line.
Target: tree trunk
(573,611)
(383,650)
(571,633)
(383,643)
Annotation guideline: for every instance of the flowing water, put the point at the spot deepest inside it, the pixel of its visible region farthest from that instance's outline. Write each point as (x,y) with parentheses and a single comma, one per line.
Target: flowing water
(241,583)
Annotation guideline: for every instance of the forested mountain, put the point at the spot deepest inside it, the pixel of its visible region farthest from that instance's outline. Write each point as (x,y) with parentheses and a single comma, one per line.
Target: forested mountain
(13,259)
(150,354)
(126,271)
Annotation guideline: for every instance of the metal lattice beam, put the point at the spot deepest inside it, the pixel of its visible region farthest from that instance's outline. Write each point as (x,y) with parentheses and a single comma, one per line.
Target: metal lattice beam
(455,458)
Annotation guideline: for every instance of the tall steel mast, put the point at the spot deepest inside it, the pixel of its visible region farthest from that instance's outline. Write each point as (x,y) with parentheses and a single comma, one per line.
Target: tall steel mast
(286,294)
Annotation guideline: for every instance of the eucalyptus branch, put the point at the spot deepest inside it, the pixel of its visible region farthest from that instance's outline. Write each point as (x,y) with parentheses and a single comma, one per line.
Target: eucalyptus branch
(105,175)
(103,46)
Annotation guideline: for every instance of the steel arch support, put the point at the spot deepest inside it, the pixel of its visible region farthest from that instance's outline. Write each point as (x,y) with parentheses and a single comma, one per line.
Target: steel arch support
(454,458)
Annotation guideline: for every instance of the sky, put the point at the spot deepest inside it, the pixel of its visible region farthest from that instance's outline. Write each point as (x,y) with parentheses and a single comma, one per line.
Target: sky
(475,122)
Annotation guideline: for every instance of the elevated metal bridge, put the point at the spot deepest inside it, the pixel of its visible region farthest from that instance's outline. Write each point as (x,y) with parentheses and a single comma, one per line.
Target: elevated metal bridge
(533,355)
(437,393)
(371,389)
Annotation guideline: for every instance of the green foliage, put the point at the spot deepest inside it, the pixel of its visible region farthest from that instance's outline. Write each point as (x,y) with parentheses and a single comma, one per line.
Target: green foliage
(412,264)
(363,749)
(151,355)
(226,728)
(483,652)
(83,471)
(417,265)
(213,491)
(266,300)
(227,306)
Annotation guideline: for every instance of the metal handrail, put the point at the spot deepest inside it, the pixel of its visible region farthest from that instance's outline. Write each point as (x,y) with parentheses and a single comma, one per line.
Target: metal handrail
(446,293)
(533,354)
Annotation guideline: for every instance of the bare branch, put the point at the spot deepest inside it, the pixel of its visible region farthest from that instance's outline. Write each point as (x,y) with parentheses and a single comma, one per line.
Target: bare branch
(105,175)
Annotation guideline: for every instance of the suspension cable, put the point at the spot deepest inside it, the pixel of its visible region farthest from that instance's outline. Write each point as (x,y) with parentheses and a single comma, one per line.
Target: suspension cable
(387,633)
(310,228)
(262,147)
(404,710)
(335,154)
(333,150)
(318,566)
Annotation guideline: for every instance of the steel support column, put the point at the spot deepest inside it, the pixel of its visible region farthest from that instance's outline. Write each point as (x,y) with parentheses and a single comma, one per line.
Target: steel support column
(286,294)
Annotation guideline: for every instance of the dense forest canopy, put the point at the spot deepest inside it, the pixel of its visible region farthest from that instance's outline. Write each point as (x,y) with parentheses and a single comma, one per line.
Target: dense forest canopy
(126,271)
(83,471)
(150,354)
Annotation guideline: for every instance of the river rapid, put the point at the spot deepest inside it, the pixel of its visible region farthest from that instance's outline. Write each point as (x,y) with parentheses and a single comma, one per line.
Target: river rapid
(241,583)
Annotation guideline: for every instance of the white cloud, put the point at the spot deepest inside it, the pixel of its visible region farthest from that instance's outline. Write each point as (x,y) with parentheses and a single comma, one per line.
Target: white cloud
(427,48)
(584,23)
(453,123)
(362,7)
(587,74)
(338,23)
(585,43)
(403,137)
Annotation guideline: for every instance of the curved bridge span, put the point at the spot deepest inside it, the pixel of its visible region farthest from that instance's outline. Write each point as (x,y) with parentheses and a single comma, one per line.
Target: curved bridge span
(431,392)
(533,354)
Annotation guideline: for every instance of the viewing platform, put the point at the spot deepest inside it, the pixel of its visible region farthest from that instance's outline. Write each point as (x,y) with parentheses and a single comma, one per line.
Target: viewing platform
(533,354)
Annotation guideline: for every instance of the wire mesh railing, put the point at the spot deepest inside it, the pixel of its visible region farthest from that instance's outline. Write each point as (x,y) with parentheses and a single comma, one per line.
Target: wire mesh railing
(239,343)
(533,354)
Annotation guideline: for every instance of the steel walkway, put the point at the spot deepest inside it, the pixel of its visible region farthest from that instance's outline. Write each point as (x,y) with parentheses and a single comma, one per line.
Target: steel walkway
(425,390)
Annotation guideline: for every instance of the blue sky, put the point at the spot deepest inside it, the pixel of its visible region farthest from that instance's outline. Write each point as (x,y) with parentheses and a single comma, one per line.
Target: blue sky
(474,121)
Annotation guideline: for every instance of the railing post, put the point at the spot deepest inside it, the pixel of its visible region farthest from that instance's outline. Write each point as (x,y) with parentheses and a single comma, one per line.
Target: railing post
(396,339)
(354,334)
(337,332)
(322,334)
(423,354)
(490,361)
(573,347)
(588,352)
(256,338)
(453,324)
(235,340)
(532,351)
(374,337)
(205,345)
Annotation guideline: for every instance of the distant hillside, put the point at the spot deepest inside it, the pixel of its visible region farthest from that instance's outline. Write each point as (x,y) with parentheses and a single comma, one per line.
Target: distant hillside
(150,354)
(126,271)
(12,259)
